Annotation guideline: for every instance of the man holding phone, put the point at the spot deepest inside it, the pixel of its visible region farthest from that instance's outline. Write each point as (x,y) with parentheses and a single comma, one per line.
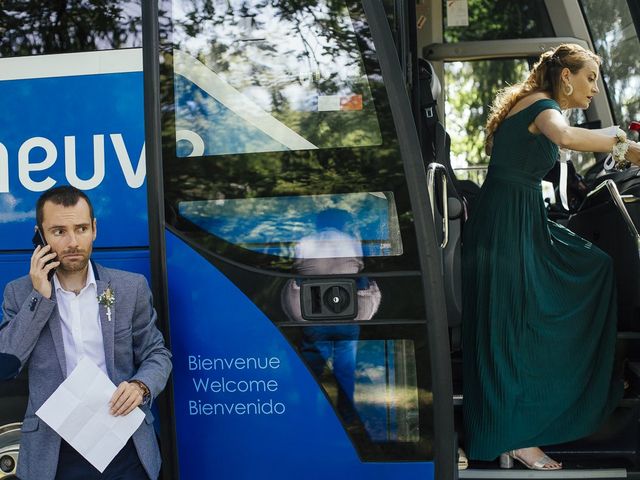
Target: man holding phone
(52,320)
(39,241)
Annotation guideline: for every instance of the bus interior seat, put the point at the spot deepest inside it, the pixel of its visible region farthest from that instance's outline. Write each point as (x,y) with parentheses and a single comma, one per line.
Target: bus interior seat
(601,222)
(436,146)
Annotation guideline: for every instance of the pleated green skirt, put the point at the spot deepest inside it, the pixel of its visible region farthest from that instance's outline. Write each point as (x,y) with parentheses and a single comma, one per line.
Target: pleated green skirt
(539,324)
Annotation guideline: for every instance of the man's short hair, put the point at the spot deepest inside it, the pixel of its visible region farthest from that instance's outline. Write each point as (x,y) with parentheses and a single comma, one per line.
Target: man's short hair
(65,195)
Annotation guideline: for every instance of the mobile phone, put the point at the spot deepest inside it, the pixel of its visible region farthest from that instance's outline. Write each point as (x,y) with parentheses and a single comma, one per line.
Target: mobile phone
(38,240)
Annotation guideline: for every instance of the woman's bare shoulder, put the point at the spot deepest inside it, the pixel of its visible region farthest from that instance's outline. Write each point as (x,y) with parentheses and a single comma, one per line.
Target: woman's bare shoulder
(527,101)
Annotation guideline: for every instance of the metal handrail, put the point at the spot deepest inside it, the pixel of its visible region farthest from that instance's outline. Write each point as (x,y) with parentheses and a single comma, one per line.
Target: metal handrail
(431,175)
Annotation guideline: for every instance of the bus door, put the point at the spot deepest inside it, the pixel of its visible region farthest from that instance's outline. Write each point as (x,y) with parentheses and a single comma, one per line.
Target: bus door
(477,51)
(306,316)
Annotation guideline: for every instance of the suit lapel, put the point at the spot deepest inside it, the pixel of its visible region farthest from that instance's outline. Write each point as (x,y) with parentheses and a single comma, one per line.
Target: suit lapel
(102,282)
(56,332)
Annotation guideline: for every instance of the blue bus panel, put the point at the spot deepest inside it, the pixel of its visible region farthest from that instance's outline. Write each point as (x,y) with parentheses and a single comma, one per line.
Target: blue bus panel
(68,120)
(247,406)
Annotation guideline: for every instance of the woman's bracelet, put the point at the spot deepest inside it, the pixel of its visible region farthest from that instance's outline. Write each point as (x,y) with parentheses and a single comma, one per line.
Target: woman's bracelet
(620,151)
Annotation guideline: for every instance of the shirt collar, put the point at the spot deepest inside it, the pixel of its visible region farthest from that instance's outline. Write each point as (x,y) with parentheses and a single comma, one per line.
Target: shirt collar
(91,280)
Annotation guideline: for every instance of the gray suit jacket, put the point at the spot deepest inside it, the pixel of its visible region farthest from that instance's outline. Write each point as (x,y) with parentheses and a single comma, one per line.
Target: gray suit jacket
(134,349)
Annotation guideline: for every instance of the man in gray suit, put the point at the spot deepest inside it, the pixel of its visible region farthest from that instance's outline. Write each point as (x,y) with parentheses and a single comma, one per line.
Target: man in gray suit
(51,321)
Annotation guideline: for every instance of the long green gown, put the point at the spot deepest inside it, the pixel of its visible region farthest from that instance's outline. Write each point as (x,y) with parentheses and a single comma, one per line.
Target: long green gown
(539,313)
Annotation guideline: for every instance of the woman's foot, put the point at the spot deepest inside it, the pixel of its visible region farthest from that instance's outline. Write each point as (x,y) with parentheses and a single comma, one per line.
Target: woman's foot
(534,459)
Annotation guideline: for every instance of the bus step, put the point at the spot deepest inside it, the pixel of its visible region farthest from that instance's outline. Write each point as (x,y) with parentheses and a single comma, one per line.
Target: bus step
(595,474)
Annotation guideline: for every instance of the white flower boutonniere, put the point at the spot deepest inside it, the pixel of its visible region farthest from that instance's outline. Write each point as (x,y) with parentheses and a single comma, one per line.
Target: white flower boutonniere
(108,300)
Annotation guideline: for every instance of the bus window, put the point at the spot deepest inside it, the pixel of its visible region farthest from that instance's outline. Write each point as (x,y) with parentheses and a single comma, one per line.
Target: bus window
(616,41)
(470,87)
(274,225)
(373,385)
(582,161)
(286,125)
(260,88)
(496,20)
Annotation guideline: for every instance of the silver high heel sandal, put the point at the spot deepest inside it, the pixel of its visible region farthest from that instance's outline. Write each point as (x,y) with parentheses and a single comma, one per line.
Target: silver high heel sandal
(507,458)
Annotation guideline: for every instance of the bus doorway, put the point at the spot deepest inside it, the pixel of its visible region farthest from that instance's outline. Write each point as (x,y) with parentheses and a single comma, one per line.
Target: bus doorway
(485,47)
(296,245)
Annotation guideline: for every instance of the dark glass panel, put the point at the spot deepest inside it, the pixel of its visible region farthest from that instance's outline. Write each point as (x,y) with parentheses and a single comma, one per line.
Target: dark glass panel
(616,41)
(276,115)
(378,381)
(36,27)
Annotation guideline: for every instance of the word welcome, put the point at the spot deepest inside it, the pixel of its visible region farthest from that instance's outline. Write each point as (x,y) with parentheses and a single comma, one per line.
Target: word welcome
(232,386)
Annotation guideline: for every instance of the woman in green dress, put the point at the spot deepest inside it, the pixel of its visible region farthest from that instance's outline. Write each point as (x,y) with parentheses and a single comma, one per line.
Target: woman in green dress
(539,318)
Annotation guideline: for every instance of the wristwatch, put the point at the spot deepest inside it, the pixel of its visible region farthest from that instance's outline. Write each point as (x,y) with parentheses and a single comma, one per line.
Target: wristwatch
(146,394)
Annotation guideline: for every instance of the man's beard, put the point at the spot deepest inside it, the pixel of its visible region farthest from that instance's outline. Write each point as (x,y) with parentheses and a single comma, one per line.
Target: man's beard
(76,266)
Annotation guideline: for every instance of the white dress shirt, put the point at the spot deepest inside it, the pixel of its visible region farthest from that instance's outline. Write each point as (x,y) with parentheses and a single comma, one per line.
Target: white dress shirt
(81,329)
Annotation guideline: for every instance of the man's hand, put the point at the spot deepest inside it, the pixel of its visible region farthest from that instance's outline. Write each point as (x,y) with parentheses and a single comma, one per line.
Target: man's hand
(40,269)
(126,397)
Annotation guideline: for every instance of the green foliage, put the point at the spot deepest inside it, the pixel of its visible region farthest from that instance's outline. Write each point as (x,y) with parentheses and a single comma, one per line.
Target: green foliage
(470,90)
(61,26)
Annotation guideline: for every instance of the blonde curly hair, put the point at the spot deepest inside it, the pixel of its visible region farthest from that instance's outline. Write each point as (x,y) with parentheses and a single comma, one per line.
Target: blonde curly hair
(544,77)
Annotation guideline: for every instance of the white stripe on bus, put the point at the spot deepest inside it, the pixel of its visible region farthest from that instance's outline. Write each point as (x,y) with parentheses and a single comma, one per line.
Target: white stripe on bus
(71,64)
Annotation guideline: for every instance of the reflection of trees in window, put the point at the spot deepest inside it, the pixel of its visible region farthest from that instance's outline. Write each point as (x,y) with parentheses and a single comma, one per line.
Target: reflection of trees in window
(284,56)
(285,173)
(57,26)
(341,43)
(616,41)
(270,44)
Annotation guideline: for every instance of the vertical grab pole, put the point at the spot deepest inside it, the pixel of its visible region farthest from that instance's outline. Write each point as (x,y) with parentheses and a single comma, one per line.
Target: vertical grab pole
(155,214)
(428,251)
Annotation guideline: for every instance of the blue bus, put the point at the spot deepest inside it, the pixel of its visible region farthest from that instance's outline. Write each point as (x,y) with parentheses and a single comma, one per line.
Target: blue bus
(71,97)
(305,204)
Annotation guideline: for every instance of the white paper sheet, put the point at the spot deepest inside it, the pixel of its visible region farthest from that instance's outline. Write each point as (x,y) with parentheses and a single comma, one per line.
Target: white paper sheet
(79,412)
(457,13)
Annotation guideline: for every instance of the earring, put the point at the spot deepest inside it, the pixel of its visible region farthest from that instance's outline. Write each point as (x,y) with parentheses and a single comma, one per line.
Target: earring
(568,89)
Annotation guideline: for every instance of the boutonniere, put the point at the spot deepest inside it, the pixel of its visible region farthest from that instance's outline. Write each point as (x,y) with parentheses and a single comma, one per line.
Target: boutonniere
(107,299)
